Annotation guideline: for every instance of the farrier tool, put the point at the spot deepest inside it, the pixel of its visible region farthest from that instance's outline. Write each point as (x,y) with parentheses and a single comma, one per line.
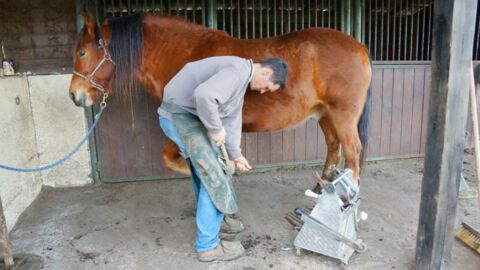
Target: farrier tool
(227,165)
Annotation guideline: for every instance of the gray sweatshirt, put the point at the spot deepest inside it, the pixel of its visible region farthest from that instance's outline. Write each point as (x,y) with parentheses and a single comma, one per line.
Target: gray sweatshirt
(213,89)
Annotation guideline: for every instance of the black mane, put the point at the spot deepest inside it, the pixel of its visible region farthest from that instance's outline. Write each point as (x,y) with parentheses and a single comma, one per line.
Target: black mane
(126,47)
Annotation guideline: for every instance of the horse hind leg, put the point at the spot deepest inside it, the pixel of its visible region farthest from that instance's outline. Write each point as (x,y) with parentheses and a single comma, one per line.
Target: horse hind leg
(333,153)
(173,160)
(346,130)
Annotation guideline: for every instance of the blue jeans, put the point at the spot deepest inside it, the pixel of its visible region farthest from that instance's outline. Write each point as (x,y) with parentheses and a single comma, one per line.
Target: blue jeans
(209,219)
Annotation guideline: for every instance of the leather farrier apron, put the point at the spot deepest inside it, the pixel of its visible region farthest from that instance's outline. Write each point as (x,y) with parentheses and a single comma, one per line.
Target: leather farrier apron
(204,156)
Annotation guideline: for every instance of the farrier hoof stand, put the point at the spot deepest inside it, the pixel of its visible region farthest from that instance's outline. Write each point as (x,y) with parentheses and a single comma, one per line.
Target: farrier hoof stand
(331,227)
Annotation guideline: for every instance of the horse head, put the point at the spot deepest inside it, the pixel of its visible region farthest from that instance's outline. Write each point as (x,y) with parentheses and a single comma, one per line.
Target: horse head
(93,67)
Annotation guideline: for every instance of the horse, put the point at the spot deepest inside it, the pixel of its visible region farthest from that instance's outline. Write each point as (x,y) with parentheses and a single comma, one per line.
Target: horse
(329,76)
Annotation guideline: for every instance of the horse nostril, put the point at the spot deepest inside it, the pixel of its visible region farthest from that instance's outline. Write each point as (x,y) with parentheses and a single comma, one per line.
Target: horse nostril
(74,99)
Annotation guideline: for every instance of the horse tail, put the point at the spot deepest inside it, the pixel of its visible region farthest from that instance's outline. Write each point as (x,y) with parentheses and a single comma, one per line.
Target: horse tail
(362,126)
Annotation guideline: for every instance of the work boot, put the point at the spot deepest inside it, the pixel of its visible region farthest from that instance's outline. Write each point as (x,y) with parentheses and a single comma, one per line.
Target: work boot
(231,225)
(227,236)
(225,251)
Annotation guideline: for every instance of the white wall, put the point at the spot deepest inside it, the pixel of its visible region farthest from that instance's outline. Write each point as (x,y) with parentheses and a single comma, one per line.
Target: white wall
(39,125)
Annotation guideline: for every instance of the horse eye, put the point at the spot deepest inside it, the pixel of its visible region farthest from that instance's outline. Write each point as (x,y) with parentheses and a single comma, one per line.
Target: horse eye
(81,53)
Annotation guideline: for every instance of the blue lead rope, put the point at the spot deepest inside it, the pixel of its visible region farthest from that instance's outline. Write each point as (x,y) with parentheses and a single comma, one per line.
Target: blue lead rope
(58,162)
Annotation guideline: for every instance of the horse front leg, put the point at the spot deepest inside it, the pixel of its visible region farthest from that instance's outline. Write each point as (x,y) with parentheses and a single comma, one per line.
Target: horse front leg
(173,160)
(333,148)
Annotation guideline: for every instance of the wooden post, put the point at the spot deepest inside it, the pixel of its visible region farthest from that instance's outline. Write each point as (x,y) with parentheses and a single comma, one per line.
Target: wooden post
(4,241)
(452,41)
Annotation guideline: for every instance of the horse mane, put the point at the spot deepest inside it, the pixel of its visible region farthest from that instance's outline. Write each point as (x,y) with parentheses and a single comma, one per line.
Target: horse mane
(192,27)
(126,47)
(127,43)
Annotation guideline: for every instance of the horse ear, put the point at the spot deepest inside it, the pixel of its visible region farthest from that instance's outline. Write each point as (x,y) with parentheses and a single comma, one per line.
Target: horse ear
(89,23)
(105,29)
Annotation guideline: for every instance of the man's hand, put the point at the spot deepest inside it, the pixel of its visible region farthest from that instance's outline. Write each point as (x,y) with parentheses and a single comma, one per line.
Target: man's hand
(242,164)
(219,137)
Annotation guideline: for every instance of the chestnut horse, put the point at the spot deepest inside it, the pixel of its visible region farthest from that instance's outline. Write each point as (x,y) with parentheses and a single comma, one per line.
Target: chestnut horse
(329,76)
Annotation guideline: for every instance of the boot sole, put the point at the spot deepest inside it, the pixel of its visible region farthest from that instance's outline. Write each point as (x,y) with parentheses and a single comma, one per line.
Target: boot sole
(231,231)
(223,230)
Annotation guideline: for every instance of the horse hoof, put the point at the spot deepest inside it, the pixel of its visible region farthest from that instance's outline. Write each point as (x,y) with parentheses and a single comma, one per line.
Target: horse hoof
(317,189)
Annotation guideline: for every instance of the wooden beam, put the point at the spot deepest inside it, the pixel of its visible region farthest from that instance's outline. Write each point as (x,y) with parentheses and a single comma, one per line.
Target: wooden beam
(452,41)
(4,240)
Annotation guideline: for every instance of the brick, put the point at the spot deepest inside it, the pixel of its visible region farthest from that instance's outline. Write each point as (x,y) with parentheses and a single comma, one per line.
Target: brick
(60,5)
(56,14)
(49,27)
(54,52)
(44,40)
(15,16)
(9,28)
(44,66)
(18,41)
(12,6)
(72,27)
(56,27)
(39,35)
(38,16)
(37,4)
(22,54)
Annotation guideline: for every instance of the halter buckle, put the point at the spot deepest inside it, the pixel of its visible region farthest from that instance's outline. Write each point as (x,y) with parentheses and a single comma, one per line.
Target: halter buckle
(103,104)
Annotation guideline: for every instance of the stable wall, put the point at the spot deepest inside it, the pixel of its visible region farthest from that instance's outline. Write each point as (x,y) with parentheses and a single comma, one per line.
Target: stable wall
(39,35)
(39,124)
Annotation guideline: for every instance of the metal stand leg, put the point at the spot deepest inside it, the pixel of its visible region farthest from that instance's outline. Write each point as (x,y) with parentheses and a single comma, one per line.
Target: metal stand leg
(4,240)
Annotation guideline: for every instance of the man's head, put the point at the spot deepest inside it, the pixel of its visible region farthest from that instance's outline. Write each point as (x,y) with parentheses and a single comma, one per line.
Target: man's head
(269,75)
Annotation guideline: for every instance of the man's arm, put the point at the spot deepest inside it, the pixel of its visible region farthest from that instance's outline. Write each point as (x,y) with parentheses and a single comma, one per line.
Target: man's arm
(214,91)
(233,127)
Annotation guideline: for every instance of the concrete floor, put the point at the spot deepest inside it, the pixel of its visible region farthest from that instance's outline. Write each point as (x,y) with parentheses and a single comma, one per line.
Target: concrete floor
(151,225)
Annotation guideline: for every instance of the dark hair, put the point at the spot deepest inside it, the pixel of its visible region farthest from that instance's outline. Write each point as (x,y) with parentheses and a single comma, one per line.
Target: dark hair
(126,47)
(280,70)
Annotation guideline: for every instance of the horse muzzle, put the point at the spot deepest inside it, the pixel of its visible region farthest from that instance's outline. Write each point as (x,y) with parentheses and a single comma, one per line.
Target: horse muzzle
(80,99)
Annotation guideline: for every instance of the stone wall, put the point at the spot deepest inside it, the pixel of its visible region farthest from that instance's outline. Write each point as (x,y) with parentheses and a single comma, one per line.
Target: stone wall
(39,35)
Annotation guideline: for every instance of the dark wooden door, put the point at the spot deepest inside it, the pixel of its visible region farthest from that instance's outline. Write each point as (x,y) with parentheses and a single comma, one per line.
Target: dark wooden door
(130,141)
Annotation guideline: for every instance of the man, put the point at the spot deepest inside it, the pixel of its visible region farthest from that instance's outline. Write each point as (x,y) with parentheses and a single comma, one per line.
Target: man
(206,97)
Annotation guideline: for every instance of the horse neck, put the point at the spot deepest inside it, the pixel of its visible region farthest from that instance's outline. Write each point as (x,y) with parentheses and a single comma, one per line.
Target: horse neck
(170,43)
